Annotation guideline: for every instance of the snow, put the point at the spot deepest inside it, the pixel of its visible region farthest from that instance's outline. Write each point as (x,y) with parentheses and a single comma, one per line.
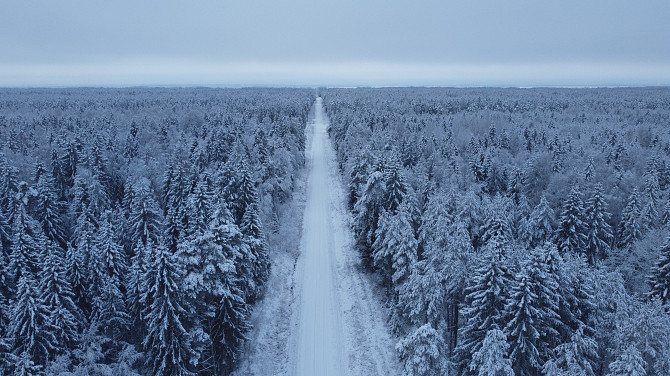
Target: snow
(319,345)
(326,316)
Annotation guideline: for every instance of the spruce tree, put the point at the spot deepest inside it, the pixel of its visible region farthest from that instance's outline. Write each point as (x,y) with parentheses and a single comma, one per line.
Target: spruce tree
(629,362)
(167,339)
(366,215)
(49,211)
(665,218)
(29,330)
(523,334)
(599,232)
(660,275)
(484,308)
(64,319)
(650,202)
(145,217)
(632,225)
(575,357)
(491,359)
(540,226)
(571,235)
(497,228)
(395,246)
(544,280)
(394,186)
(27,237)
(254,237)
(422,352)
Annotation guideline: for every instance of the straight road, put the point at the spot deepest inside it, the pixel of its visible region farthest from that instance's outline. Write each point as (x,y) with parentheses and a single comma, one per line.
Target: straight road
(320,346)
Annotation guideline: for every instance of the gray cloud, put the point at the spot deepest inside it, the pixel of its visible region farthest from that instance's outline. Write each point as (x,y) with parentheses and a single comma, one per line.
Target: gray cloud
(237,42)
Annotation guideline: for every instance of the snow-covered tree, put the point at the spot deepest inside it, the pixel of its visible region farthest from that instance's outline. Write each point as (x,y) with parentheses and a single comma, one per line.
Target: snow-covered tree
(167,339)
(395,246)
(660,275)
(366,214)
(25,366)
(29,330)
(574,357)
(629,362)
(27,237)
(64,319)
(571,234)
(632,225)
(649,201)
(254,237)
(421,352)
(543,278)
(665,216)
(145,216)
(49,211)
(484,307)
(539,227)
(522,329)
(491,358)
(598,231)
(497,228)
(395,187)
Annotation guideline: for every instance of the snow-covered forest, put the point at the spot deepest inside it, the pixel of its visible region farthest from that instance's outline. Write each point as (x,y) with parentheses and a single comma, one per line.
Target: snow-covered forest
(516,231)
(136,224)
(507,231)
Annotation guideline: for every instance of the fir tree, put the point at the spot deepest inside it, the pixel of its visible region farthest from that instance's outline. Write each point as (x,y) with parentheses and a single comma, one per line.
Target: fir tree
(255,238)
(539,227)
(48,211)
(543,281)
(571,235)
(29,330)
(631,221)
(27,237)
(167,339)
(484,308)
(650,207)
(589,171)
(395,246)
(599,232)
(107,268)
(25,366)
(521,328)
(628,363)
(64,317)
(660,275)
(394,186)
(145,217)
(491,359)
(665,218)
(228,328)
(497,229)
(109,252)
(421,352)
(574,357)
(136,286)
(367,211)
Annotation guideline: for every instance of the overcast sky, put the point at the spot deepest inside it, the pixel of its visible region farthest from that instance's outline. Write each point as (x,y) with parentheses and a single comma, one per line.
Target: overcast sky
(337,42)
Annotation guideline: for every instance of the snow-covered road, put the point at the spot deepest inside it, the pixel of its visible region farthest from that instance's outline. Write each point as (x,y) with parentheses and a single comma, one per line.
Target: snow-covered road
(321,314)
(320,346)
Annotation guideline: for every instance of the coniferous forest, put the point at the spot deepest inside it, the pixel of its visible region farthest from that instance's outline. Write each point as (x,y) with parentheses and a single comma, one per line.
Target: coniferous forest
(510,231)
(516,231)
(134,224)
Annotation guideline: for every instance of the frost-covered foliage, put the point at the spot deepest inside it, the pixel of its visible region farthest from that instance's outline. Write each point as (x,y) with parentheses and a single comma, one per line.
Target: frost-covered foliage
(133,224)
(539,215)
